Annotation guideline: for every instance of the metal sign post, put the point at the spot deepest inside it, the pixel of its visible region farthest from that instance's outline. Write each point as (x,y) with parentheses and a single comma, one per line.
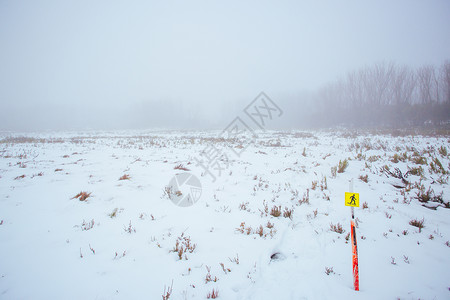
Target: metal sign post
(352,200)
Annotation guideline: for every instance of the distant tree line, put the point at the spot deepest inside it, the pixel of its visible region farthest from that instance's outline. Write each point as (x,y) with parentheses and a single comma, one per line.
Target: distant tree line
(386,94)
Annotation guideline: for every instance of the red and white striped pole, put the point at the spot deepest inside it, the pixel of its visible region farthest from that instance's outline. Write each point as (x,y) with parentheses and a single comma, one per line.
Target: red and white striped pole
(354,245)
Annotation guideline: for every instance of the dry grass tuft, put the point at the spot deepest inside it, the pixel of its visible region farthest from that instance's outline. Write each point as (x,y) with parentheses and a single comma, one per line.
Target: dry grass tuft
(288,213)
(364,178)
(113,214)
(329,270)
(82,196)
(125,177)
(181,167)
(87,225)
(183,245)
(213,295)
(208,277)
(342,166)
(276,211)
(417,223)
(166,294)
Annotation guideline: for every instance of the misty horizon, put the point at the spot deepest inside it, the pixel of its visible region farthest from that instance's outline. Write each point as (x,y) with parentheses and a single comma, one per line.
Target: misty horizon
(112,65)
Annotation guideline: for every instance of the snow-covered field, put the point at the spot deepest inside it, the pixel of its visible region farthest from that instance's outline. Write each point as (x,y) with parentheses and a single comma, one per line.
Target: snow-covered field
(119,242)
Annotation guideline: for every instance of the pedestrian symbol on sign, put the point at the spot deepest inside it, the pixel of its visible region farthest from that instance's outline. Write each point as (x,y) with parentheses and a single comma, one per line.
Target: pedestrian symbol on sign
(352,198)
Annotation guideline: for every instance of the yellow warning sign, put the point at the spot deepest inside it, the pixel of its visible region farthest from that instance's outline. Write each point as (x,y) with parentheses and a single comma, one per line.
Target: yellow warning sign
(352,199)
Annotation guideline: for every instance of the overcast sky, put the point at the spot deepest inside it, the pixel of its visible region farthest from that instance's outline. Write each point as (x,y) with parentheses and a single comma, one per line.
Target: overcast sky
(123,64)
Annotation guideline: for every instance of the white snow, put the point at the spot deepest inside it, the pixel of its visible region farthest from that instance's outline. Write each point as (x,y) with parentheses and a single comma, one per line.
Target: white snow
(45,251)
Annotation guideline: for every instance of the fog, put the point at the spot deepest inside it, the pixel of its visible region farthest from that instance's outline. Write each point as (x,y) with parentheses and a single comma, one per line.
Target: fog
(196,64)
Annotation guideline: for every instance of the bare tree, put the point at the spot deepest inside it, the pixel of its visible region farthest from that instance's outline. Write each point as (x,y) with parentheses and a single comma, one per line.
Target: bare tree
(402,86)
(388,94)
(445,81)
(427,84)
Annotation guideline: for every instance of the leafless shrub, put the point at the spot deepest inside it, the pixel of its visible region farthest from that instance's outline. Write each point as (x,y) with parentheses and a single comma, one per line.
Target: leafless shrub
(168,192)
(130,229)
(329,270)
(429,195)
(337,228)
(243,206)
(235,259)
(333,172)
(397,173)
(87,226)
(417,223)
(365,205)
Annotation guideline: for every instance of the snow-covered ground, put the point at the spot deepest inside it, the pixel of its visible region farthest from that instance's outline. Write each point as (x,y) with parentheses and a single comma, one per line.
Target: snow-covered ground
(119,242)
